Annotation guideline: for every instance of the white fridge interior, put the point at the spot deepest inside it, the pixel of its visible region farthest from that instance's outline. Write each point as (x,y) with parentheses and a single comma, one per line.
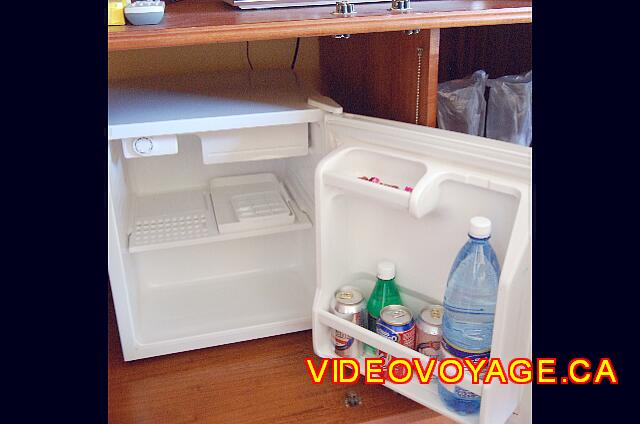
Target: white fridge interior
(236,210)
(186,274)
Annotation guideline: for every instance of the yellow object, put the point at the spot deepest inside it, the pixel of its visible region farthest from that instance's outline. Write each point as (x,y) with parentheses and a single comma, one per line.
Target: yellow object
(116,12)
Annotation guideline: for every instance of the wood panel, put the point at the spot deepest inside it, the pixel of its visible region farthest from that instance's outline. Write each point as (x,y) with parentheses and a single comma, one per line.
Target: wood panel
(257,381)
(191,22)
(499,50)
(377,74)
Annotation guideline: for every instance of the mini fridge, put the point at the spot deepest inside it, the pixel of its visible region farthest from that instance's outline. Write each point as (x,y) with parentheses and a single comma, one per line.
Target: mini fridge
(237,206)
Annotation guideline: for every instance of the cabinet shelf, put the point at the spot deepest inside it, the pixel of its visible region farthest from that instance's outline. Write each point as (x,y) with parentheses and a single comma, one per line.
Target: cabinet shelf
(192,22)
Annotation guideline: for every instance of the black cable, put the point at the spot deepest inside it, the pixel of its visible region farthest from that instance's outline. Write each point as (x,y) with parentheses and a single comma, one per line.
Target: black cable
(295,54)
(248,58)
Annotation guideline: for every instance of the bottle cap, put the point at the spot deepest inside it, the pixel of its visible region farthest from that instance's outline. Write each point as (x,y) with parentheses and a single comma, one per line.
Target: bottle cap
(480,227)
(386,270)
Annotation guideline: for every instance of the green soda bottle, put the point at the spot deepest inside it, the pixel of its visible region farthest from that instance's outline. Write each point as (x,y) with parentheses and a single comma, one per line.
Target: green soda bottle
(384,293)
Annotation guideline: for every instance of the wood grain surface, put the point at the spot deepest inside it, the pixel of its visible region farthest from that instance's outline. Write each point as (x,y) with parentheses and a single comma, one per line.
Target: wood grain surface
(190,22)
(377,75)
(262,381)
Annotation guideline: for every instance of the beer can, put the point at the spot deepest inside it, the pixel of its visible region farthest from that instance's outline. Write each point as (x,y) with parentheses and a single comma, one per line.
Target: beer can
(429,331)
(396,323)
(348,303)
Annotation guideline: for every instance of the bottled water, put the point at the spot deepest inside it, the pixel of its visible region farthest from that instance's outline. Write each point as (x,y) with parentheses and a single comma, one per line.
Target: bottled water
(469,309)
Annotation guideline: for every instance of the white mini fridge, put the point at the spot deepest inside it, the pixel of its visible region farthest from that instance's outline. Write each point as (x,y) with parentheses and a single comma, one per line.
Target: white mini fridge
(236,208)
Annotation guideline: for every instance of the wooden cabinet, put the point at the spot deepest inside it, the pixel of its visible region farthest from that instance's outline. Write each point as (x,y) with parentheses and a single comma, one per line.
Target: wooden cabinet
(191,22)
(388,75)
(379,71)
(393,75)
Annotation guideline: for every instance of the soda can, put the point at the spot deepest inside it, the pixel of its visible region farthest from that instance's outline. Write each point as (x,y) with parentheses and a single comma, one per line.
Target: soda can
(429,331)
(348,303)
(396,323)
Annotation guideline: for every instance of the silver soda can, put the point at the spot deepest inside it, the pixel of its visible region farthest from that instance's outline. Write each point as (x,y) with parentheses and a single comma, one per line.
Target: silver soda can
(348,303)
(429,331)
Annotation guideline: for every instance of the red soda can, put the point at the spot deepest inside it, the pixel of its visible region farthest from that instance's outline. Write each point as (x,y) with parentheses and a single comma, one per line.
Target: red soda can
(396,323)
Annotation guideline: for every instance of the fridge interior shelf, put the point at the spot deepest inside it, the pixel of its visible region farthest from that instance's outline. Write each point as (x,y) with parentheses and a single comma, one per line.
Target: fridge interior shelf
(179,219)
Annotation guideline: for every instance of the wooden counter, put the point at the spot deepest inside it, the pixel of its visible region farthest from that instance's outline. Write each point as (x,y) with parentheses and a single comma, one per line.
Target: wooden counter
(190,22)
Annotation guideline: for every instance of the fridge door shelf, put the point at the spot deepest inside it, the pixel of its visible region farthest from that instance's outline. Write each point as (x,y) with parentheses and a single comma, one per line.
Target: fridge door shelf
(417,184)
(413,300)
(181,219)
(352,166)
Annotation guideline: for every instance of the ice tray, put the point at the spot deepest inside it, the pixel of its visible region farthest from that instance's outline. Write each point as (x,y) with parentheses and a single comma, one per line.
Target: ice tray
(249,202)
(259,205)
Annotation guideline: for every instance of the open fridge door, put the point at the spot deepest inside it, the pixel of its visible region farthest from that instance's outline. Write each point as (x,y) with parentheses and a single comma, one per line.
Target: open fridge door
(434,182)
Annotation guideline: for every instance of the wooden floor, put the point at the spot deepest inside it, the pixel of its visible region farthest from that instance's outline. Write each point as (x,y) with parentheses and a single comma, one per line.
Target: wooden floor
(257,381)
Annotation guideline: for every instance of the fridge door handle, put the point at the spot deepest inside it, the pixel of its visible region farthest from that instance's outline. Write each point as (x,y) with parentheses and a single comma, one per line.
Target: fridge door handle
(426,194)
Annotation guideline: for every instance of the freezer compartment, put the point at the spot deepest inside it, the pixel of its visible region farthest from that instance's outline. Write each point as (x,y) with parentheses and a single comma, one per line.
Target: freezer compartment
(255,143)
(193,286)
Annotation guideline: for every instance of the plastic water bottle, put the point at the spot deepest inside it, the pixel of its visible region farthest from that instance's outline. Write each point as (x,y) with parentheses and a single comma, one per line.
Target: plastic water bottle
(469,309)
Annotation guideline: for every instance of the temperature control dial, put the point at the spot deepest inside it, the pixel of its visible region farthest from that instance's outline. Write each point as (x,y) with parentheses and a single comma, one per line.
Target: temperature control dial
(143,145)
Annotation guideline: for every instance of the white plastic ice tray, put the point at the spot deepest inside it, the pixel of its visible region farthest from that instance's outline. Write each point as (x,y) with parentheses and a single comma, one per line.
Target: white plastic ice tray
(249,202)
(259,205)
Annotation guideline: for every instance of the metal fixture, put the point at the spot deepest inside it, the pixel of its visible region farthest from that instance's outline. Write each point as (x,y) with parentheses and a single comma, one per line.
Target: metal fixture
(411,31)
(342,36)
(344,9)
(400,6)
(420,51)
(352,399)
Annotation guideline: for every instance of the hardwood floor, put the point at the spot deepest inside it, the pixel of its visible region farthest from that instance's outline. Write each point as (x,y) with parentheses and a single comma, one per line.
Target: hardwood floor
(256,381)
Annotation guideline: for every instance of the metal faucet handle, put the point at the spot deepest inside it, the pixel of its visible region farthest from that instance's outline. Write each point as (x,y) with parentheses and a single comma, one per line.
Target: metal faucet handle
(344,8)
(400,5)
